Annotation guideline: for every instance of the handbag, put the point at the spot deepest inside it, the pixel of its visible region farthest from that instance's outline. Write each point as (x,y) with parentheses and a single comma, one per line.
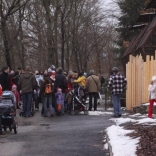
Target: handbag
(98,94)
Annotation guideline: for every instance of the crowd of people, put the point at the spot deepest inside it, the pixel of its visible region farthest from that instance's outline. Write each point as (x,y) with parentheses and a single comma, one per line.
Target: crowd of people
(52,89)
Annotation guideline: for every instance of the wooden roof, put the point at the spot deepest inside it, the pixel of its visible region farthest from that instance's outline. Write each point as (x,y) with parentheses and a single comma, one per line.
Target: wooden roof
(146,17)
(152,4)
(139,26)
(141,39)
(133,45)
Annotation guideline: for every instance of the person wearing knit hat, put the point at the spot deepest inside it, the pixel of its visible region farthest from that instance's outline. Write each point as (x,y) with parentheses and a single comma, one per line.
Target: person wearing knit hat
(14,87)
(12,72)
(14,90)
(49,70)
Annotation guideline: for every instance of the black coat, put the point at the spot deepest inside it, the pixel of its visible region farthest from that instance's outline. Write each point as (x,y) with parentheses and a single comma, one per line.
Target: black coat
(4,81)
(60,82)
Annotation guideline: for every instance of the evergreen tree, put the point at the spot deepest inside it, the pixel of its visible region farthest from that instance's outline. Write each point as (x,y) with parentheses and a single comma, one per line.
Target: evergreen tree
(130,10)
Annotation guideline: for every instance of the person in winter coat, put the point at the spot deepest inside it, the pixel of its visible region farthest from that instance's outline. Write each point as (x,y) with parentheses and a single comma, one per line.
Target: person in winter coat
(27,86)
(93,86)
(68,100)
(116,85)
(4,79)
(59,100)
(81,81)
(39,79)
(46,95)
(60,82)
(52,80)
(14,90)
(152,96)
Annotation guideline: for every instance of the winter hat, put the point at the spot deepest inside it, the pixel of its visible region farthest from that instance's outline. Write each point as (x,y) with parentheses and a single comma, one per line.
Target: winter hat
(12,72)
(115,69)
(14,87)
(59,89)
(53,72)
(53,67)
(153,78)
(85,74)
(49,70)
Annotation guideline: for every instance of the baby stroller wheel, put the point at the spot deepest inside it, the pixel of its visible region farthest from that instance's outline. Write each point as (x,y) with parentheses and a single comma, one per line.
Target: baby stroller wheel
(86,112)
(15,128)
(4,128)
(21,114)
(10,128)
(72,112)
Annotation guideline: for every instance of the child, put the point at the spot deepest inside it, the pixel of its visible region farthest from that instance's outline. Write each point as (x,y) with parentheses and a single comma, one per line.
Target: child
(81,81)
(152,96)
(14,90)
(59,100)
(46,94)
(68,100)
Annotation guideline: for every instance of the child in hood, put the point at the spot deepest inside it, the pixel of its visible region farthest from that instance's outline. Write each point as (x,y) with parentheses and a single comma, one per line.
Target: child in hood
(152,96)
(59,100)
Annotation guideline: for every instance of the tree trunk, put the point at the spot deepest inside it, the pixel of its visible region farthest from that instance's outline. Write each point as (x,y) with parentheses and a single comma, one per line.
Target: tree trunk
(62,40)
(5,42)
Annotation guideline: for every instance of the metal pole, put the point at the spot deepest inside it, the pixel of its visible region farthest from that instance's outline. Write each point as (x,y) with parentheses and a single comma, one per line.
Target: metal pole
(105,98)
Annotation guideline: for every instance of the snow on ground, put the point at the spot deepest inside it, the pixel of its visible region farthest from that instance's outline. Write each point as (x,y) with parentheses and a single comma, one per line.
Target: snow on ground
(147,104)
(135,115)
(146,120)
(122,145)
(98,113)
(110,109)
(120,121)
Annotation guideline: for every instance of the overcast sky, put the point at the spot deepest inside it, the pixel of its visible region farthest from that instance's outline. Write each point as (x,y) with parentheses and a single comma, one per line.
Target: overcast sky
(110,5)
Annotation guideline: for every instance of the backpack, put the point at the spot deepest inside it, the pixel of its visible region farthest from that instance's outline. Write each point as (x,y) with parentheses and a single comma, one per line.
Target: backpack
(48,88)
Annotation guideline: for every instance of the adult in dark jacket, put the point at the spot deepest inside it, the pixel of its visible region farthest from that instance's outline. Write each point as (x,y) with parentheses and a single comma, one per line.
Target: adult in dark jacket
(93,86)
(27,84)
(4,79)
(52,80)
(60,82)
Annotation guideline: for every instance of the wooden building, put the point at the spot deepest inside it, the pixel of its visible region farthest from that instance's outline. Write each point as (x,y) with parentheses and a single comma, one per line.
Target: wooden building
(140,58)
(145,42)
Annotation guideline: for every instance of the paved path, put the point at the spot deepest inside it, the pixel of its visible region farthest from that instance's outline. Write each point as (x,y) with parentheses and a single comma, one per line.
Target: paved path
(66,135)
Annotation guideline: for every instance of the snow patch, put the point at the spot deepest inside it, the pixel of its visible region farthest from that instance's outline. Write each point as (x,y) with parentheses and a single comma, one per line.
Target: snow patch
(120,121)
(122,145)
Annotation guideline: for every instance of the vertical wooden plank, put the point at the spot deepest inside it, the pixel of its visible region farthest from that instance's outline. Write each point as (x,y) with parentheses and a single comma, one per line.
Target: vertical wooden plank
(129,79)
(152,66)
(139,79)
(132,81)
(136,81)
(143,79)
(127,91)
(148,77)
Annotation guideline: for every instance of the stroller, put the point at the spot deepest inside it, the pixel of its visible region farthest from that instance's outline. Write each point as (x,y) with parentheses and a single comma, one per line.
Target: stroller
(31,108)
(8,111)
(77,105)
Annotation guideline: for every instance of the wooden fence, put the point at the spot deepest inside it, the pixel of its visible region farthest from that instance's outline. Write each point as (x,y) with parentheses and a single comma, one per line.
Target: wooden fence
(138,74)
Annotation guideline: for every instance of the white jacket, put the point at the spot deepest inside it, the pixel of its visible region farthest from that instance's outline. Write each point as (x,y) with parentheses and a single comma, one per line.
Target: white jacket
(152,91)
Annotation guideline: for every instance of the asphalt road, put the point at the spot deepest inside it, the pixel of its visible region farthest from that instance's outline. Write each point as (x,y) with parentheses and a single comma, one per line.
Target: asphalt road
(67,135)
